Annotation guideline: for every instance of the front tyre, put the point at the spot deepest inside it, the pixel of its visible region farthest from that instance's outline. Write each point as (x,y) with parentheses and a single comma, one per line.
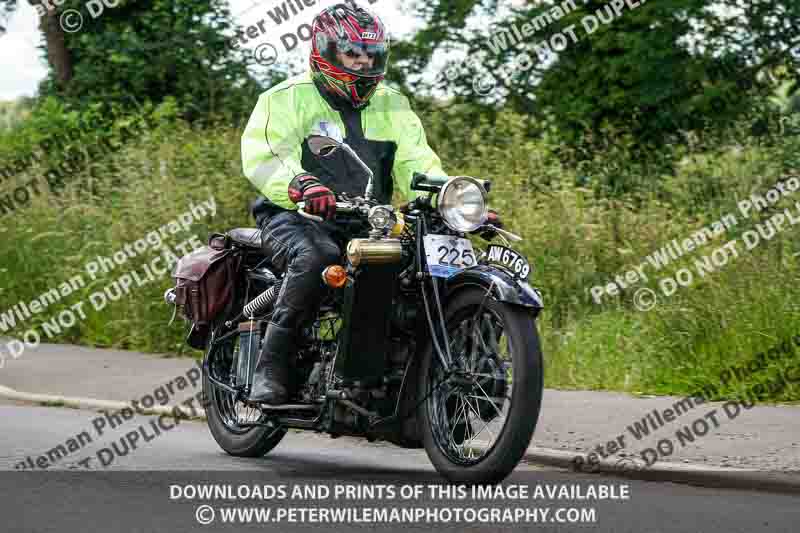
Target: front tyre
(478,421)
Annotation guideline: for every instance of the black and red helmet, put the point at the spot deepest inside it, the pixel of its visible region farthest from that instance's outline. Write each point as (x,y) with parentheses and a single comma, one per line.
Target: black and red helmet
(350,30)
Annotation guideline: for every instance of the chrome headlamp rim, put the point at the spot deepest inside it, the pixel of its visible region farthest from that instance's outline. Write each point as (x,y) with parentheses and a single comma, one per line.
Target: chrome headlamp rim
(386,211)
(484,197)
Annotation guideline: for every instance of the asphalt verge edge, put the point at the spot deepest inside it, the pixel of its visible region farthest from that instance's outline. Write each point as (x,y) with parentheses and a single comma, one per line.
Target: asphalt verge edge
(97,405)
(690,474)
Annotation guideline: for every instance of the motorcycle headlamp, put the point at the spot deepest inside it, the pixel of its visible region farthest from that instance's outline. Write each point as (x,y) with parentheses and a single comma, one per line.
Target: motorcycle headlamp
(462,204)
(381,218)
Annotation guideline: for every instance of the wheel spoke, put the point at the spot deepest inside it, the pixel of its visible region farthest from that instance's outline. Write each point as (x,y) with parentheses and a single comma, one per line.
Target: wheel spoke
(453,425)
(485,424)
(499,413)
(495,399)
(467,428)
(463,414)
(452,441)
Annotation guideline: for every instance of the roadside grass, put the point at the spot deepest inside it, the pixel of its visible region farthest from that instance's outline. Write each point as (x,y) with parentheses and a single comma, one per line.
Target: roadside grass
(145,185)
(686,343)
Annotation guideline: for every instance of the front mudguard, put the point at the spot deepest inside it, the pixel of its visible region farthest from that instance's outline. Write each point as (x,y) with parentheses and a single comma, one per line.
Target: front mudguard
(504,287)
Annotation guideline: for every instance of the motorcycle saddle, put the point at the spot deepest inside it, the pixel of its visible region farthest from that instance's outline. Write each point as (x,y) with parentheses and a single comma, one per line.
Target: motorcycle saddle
(248,237)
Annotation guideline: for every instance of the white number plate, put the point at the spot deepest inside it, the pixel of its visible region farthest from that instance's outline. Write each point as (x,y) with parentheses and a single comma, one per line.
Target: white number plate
(447,255)
(513,261)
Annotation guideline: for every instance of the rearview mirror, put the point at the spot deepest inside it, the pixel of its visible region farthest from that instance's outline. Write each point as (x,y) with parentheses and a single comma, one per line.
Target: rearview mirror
(325,137)
(321,145)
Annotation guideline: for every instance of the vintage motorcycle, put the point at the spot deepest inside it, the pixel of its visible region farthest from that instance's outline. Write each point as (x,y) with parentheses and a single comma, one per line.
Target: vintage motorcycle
(418,341)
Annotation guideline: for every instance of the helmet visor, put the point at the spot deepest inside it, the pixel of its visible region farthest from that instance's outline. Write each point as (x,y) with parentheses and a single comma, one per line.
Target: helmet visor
(357,58)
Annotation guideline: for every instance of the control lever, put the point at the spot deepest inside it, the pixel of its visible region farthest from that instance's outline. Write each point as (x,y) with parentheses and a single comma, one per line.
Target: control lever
(504,233)
(301,211)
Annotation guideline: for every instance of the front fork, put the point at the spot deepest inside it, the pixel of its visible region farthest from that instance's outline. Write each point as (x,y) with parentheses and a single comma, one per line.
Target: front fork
(434,313)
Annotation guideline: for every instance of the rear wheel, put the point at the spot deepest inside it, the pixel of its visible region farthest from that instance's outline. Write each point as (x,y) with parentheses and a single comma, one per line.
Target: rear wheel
(478,421)
(228,419)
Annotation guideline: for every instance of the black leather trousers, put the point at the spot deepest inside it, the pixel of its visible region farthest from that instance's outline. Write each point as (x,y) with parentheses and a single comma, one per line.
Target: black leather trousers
(302,249)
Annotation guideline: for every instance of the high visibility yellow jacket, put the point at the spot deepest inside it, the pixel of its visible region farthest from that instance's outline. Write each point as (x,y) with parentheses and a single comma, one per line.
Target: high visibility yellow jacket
(387,135)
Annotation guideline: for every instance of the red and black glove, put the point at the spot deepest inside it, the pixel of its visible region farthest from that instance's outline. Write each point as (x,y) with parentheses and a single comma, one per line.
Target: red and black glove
(494,219)
(319,200)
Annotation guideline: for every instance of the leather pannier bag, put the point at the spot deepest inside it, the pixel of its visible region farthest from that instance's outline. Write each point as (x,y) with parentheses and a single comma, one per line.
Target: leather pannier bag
(204,283)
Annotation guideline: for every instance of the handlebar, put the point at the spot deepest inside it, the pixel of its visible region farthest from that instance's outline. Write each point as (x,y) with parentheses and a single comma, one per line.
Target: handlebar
(343,207)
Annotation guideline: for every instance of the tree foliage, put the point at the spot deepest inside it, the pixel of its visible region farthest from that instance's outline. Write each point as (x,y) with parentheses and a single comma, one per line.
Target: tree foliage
(659,67)
(147,51)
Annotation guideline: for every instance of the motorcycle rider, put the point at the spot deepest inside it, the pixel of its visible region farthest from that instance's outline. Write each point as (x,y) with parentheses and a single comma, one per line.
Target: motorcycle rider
(342,92)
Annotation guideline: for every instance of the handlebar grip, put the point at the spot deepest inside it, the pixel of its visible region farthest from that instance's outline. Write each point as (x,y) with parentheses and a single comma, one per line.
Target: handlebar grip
(416,178)
(423,182)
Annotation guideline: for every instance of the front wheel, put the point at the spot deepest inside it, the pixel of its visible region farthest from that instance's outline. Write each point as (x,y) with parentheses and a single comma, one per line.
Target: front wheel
(478,420)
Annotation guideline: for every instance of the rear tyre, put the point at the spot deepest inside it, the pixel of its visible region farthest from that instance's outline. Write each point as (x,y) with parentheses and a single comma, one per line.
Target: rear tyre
(478,423)
(226,417)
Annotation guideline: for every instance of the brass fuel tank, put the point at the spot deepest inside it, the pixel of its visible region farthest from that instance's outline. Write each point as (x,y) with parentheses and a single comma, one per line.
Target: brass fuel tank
(374,251)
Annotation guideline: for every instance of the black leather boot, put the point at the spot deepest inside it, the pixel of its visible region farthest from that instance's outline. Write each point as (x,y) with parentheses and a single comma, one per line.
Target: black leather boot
(271,377)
